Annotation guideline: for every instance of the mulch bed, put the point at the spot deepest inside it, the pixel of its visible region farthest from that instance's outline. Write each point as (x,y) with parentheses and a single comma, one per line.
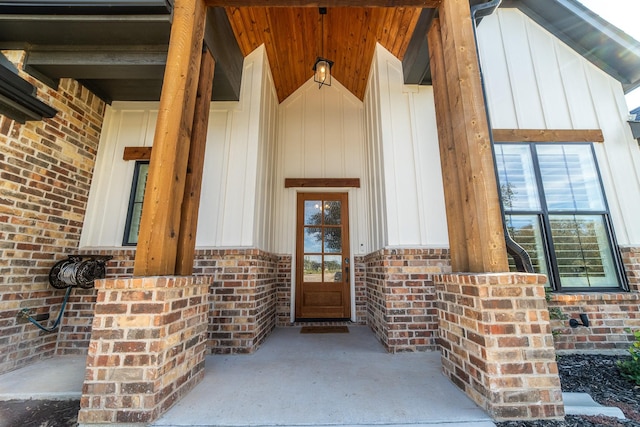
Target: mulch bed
(596,375)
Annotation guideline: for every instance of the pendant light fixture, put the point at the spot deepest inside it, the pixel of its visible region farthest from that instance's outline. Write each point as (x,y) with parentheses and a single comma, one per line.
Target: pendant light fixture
(322,66)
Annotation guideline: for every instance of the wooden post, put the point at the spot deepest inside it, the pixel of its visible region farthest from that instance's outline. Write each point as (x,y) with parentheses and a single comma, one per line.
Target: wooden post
(482,217)
(195,166)
(452,195)
(160,222)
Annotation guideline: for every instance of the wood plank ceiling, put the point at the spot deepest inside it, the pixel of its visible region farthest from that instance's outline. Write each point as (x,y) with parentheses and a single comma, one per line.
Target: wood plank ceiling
(292,38)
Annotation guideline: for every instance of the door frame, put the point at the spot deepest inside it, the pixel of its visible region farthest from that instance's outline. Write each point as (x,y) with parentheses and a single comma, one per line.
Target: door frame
(352,285)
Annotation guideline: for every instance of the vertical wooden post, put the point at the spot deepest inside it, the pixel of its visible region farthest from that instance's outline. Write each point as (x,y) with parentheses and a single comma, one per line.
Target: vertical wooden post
(452,195)
(485,242)
(160,223)
(195,166)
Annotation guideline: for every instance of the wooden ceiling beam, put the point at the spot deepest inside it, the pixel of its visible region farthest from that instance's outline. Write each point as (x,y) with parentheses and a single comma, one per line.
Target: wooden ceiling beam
(324,3)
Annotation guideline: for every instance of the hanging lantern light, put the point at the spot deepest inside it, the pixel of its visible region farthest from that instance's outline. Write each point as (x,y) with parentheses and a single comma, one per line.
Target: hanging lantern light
(322,66)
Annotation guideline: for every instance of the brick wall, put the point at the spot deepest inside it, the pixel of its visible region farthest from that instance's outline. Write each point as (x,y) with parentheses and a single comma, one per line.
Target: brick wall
(610,315)
(401,296)
(283,291)
(360,273)
(497,345)
(147,349)
(243,298)
(45,173)
(631,261)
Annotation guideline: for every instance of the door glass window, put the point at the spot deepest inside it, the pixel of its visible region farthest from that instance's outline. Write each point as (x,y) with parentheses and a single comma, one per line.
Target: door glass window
(322,241)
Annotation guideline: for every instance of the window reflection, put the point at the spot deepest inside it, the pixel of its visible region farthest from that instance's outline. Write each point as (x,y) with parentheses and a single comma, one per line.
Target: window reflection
(312,268)
(322,245)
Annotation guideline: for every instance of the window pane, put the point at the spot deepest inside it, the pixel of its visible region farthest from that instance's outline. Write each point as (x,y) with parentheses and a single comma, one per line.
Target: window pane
(312,268)
(313,212)
(526,231)
(332,266)
(136,199)
(332,212)
(313,240)
(583,252)
(570,178)
(333,240)
(518,187)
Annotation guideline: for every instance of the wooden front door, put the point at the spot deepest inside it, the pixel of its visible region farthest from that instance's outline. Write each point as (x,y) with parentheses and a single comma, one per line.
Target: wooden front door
(322,256)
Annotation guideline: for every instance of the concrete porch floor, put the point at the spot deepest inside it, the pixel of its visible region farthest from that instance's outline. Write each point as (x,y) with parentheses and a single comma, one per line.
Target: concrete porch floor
(294,379)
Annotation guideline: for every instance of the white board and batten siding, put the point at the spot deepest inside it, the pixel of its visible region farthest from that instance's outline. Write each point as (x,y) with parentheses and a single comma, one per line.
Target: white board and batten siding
(403,162)
(320,135)
(535,81)
(236,203)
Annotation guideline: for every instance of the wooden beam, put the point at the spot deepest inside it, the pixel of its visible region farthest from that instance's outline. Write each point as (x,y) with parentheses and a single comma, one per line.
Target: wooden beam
(474,159)
(160,222)
(98,62)
(325,3)
(219,38)
(136,153)
(548,135)
(195,167)
(452,193)
(321,182)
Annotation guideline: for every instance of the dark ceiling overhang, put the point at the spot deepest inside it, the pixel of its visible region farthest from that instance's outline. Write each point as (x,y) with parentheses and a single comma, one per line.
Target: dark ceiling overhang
(85,7)
(18,99)
(605,45)
(117,49)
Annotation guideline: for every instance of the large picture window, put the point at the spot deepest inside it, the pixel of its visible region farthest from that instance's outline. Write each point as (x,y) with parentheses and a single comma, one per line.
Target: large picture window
(555,208)
(134,213)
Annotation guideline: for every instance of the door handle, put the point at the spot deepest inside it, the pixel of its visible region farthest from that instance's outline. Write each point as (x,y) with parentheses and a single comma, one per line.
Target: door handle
(346,269)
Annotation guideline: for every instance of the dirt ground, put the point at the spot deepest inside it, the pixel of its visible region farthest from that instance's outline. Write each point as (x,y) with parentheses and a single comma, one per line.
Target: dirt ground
(39,413)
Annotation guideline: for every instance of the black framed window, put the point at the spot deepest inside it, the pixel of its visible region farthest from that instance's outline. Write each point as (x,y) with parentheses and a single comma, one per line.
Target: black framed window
(134,213)
(555,208)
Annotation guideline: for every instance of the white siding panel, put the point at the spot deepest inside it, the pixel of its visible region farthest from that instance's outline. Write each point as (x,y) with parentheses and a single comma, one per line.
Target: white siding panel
(231,182)
(126,125)
(403,159)
(264,228)
(553,102)
(320,135)
(496,75)
(376,211)
(433,216)
(522,72)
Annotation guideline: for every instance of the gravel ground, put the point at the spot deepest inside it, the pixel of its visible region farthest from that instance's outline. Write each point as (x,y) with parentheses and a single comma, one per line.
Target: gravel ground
(596,375)
(599,377)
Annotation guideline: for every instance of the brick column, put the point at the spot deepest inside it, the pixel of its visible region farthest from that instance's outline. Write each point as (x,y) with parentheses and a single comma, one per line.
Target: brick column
(147,348)
(497,344)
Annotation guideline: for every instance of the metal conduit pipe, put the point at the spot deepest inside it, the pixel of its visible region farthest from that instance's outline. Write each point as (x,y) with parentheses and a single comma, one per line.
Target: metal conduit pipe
(519,254)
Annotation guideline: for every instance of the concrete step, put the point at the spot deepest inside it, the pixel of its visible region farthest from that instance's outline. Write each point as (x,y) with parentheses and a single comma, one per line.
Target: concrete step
(583,404)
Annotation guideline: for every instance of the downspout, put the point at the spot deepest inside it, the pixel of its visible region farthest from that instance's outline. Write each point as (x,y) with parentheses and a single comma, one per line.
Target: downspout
(519,254)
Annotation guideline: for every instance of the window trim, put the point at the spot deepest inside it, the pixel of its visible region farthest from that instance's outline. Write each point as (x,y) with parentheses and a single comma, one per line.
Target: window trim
(132,195)
(544,215)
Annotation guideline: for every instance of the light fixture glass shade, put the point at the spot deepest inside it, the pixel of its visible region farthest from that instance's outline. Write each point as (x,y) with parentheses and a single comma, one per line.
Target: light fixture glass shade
(322,72)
